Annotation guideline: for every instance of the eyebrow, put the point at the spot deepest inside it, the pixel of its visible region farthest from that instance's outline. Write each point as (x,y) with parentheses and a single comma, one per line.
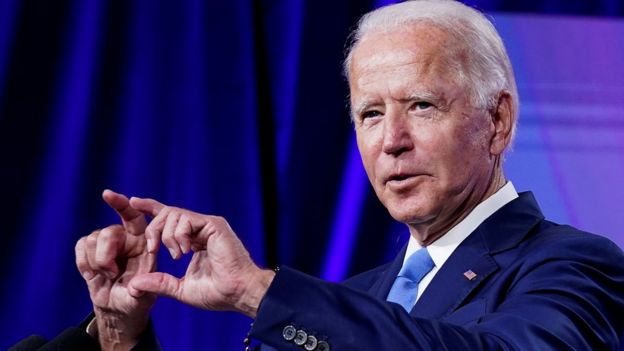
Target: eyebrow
(362,106)
(425,95)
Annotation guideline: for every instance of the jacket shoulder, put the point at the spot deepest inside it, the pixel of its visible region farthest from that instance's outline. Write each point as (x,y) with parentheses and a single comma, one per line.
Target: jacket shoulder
(556,240)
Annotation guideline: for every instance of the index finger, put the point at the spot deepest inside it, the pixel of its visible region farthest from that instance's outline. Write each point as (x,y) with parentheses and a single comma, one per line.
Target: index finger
(153,208)
(133,220)
(147,206)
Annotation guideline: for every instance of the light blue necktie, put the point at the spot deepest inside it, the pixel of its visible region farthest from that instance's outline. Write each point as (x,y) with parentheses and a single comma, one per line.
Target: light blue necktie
(405,287)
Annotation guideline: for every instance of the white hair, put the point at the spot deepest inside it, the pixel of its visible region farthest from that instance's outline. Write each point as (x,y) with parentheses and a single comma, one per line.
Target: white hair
(487,69)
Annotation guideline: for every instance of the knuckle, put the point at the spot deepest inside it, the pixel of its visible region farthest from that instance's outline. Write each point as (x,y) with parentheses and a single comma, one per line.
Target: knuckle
(80,244)
(91,240)
(222,224)
(109,237)
(215,221)
(178,236)
(80,255)
(168,240)
(105,235)
(167,232)
(100,261)
(180,232)
(111,230)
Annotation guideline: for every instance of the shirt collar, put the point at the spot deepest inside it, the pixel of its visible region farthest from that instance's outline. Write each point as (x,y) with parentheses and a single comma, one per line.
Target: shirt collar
(441,249)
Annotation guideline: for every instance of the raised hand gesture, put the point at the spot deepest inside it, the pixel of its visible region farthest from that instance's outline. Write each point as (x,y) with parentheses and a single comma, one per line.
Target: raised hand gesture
(220,276)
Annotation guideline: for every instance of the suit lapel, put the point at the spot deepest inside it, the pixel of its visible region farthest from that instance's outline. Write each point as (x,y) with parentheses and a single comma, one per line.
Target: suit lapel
(381,287)
(451,286)
(473,260)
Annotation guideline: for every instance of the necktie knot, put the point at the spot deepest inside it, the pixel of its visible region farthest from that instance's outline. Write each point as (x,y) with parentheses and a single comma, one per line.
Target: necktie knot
(405,288)
(417,266)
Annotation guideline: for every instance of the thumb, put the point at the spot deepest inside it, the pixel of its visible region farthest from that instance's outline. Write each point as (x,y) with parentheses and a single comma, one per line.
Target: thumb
(157,283)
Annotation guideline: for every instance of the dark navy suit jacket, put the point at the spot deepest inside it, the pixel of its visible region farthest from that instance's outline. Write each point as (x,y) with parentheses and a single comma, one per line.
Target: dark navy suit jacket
(538,286)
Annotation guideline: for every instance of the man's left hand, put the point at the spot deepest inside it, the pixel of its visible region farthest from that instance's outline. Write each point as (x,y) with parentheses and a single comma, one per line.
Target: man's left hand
(221,275)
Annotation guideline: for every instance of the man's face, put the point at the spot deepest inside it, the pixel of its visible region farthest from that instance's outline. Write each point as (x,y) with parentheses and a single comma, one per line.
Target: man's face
(425,148)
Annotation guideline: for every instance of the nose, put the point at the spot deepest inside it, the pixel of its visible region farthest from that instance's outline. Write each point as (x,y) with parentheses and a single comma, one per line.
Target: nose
(396,134)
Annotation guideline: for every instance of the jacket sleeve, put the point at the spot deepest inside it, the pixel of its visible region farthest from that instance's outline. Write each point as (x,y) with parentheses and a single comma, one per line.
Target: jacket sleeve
(556,300)
(347,319)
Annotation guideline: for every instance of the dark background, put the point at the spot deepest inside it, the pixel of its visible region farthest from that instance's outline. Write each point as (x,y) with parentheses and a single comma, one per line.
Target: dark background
(235,108)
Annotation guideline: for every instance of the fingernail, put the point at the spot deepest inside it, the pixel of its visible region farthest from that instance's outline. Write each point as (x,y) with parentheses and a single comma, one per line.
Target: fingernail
(87,275)
(173,253)
(184,248)
(150,245)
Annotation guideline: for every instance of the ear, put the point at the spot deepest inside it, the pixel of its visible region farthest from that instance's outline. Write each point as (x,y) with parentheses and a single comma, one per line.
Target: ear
(503,119)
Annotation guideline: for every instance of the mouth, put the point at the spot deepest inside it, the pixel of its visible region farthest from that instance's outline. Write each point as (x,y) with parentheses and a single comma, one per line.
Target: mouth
(400,178)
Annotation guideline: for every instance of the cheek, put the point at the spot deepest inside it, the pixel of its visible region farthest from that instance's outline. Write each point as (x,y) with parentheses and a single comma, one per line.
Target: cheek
(368,153)
(455,150)
(470,149)
(479,131)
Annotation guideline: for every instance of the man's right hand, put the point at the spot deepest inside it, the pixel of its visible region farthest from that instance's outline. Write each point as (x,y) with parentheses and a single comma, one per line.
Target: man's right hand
(108,259)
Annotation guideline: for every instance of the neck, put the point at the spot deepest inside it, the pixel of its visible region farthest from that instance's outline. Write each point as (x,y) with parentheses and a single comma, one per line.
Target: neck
(427,233)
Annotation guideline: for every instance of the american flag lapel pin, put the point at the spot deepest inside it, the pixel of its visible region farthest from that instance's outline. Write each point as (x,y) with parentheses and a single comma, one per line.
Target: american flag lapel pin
(470,275)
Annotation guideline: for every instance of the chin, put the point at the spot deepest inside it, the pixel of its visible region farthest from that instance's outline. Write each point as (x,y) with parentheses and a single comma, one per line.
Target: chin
(409,213)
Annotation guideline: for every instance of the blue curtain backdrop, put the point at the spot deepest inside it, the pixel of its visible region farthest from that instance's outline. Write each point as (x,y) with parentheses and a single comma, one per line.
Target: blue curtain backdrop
(238,108)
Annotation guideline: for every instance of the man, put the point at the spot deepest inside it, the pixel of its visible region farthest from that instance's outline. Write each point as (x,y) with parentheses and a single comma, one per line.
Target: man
(434,105)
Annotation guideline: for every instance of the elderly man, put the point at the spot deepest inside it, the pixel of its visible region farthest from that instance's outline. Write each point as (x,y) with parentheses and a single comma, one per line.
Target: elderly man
(434,104)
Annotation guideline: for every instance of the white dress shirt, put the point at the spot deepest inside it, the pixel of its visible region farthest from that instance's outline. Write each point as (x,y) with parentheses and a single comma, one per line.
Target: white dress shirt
(441,249)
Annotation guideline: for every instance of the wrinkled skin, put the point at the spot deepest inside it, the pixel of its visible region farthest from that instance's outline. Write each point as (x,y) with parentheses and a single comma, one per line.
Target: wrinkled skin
(430,154)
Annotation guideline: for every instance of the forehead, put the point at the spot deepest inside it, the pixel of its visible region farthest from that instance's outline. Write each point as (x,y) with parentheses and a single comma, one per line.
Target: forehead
(420,46)
(413,62)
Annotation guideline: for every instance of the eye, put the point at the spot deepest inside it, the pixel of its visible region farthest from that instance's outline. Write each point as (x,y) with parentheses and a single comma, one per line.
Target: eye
(421,105)
(370,114)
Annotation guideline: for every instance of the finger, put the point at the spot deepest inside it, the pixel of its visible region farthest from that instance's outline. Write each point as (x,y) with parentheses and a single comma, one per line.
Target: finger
(146,206)
(147,264)
(182,232)
(90,245)
(206,226)
(167,234)
(108,249)
(81,260)
(133,220)
(153,232)
(157,283)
